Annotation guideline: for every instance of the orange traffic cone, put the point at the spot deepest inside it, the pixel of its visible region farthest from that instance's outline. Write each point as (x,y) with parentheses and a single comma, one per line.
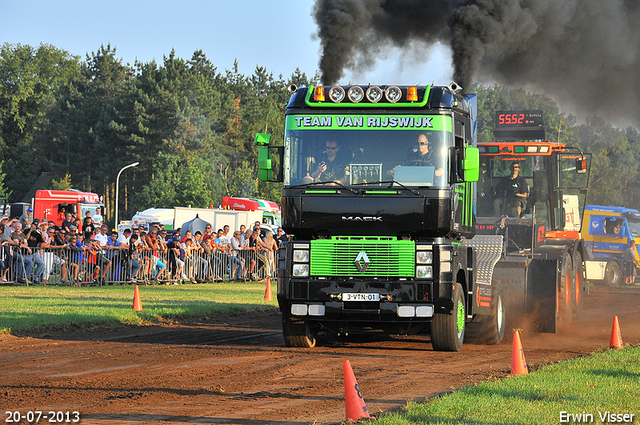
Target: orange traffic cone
(616,336)
(267,292)
(518,363)
(355,406)
(137,304)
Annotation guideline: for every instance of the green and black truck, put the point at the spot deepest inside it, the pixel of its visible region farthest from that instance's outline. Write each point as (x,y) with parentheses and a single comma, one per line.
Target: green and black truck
(379,202)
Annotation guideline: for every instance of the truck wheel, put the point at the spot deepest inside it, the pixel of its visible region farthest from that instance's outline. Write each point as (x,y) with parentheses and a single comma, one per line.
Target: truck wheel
(566,291)
(447,330)
(298,334)
(489,329)
(579,295)
(612,273)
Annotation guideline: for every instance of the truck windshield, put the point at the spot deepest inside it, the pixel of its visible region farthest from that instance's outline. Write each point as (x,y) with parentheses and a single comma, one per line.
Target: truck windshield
(367,157)
(88,207)
(634,227)
(495,169)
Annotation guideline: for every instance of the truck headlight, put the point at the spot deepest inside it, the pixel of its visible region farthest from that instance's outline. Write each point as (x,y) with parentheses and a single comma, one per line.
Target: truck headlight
(424,257)
(301,270)
(300,256)
(424,272)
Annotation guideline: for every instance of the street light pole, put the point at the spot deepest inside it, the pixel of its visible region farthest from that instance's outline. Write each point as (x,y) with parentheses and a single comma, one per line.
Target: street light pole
(117,186)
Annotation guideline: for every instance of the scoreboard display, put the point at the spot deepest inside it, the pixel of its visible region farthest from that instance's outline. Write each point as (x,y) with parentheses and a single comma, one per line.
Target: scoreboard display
(519,125)
(506,119)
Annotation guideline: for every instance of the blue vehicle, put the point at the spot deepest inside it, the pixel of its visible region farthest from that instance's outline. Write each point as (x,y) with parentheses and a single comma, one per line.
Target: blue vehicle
(607,231)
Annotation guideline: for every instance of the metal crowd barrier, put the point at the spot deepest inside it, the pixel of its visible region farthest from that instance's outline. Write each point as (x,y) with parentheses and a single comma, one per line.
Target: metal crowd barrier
(63,266)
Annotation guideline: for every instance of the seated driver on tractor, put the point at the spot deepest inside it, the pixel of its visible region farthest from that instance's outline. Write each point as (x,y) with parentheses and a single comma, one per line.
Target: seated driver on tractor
(511,193)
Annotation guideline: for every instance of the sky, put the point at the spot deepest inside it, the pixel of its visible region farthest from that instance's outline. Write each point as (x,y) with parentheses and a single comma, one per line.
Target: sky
(278,35)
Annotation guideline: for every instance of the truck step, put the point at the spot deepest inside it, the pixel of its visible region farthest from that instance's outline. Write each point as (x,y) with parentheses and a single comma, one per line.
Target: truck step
(488,250)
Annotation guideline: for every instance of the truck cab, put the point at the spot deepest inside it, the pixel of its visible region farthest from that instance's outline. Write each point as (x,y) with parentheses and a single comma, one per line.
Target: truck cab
(607,231)
(53,205)
(377,200)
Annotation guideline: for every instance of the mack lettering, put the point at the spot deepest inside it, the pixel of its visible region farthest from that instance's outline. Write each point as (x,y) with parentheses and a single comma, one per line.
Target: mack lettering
(351,218)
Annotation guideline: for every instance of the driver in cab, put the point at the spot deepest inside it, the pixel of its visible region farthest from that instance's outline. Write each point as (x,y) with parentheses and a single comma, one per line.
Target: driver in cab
(511,193)
(421,155)
(331,165)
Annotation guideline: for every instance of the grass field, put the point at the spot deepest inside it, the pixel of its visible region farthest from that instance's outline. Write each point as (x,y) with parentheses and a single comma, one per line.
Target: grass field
(41,307)
(605,383)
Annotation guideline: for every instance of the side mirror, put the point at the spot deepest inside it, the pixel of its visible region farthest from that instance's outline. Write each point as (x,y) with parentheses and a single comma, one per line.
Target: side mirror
(264,164)
(262,139)
(581,165)
(270,163)
(268,169)
(471,164)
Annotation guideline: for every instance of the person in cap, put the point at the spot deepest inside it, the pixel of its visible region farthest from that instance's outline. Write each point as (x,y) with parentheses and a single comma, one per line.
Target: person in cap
(27,217)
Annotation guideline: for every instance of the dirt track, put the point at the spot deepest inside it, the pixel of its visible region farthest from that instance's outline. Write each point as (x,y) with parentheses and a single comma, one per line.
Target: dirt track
(239,372)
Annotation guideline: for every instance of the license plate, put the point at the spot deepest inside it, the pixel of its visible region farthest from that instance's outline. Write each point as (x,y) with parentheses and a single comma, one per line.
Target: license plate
(360,297)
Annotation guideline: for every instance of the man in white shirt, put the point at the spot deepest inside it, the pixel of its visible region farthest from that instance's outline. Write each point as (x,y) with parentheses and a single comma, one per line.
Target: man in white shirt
(123,239)
(102,237)
(97,217)
(225,239)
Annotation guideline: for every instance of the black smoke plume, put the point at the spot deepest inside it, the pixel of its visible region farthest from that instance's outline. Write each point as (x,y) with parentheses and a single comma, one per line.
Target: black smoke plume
(582,53)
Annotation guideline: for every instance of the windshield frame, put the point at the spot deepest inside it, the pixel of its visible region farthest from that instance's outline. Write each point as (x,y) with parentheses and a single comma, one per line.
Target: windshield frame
(370,148)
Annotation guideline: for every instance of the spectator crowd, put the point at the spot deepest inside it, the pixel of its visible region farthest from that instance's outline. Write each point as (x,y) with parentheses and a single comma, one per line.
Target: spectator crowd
(82,252)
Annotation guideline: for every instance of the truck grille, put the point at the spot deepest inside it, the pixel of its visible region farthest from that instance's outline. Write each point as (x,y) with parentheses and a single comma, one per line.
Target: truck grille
(388,257)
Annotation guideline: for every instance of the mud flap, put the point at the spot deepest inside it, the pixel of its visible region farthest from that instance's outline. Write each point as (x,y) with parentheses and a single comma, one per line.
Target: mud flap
(542,293)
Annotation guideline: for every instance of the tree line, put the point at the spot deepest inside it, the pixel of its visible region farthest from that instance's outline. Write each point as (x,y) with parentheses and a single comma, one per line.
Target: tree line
(191,127)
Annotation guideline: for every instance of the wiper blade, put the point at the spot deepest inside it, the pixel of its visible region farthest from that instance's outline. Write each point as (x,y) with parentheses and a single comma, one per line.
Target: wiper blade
(340,184)
(328,183)
(391,183)
(414,191)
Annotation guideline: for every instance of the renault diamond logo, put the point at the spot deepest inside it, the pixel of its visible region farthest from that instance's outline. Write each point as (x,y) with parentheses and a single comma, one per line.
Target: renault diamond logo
(362,262)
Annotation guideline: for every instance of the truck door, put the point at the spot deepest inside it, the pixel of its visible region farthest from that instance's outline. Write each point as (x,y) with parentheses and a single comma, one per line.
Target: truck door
(607,235)
(569,191)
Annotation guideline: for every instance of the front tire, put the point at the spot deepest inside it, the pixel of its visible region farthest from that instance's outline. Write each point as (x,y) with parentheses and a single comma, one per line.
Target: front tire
(566,291)
(447,330)
(298,334)
(612,273)
(580,291)
(490,329)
